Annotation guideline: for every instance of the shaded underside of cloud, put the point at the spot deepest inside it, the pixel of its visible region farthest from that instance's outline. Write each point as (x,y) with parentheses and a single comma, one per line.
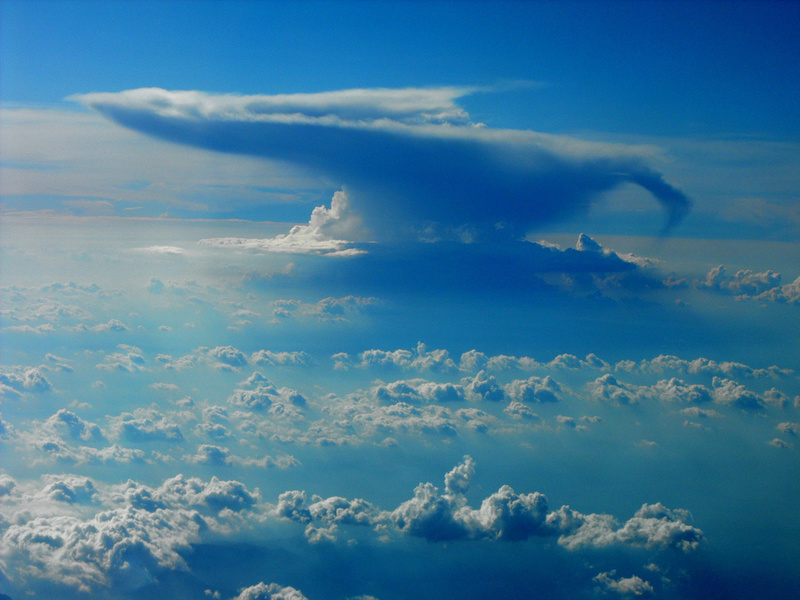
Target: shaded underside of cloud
(407,158)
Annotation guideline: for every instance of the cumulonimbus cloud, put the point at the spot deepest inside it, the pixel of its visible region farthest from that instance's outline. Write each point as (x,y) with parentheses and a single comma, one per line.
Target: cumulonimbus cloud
(408,158)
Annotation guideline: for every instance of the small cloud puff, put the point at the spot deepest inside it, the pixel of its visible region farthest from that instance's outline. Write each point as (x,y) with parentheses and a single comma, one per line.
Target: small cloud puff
(323,235)
(624,586)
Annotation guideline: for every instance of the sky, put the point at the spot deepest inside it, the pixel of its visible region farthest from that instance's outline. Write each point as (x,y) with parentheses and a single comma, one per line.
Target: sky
(379,300)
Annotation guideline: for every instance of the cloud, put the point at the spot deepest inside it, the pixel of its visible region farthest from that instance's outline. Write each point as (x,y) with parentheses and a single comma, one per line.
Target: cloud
(624,586)
(67,424)
(112,325)
(746,284)
(161,250)
(417,391)
(323,235)
(26,379)
(145,425)
(666,362)
(534,389)
(409,158)
(268,357)
(272,591)
(732,393)
(608,388)
(420,359)
(229,355)
(792,429)
(126,547)
(504,516)
(70,489)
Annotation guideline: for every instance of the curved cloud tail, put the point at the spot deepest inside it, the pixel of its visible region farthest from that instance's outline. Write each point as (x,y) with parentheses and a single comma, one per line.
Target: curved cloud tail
(675,201)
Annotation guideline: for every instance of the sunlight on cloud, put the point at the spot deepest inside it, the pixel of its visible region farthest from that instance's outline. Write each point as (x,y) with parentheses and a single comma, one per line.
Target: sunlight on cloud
(314,238)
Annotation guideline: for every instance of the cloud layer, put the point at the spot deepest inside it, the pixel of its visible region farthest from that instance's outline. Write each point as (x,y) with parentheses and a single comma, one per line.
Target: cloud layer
(410,159)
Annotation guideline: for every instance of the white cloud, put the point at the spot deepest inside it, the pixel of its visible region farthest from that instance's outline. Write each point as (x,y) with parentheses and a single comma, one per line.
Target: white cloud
(161,250)
(325,234)
(268,357)
(732,393)
(272,591)
(145,425)
(534,389)
(26,379)
(624,586)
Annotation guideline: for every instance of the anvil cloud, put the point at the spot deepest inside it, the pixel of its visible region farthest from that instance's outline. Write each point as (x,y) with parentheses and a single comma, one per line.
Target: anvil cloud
(410,159)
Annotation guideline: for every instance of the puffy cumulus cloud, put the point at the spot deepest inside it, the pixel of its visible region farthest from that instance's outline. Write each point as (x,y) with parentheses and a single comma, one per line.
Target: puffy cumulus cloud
(404,171)
(608,388)
(624,586)
(652,526)
(789,428)
(211,496)
(145,425)
(49,439)
(268,357)
(272,591)
(741,283)
(534,389)
(676,390)
(776,398)
(323,234)
(71,489)
(113,325)
(483,387)
(216,423)
(779,443)
(474,360)
(228,355)
(417,391)
(732,393)
(322,516)
(507,515)
(420,358)
(218,456)
(130,360)
(7,484)
(747,284)
(123,547)
(517,410)
(666,362)
(25,379)
(402,417)
(264,396)
(587,244)
(67,424)
(208,454)
(789,293)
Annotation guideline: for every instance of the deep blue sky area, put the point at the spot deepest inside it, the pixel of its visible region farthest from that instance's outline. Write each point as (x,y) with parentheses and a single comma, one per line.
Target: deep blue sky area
(623,67)
(387,300)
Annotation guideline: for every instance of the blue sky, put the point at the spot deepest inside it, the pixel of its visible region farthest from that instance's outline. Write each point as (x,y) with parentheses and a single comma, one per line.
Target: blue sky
(385,300)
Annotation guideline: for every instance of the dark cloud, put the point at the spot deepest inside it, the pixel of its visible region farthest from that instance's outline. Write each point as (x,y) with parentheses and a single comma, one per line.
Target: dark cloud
(403,169)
